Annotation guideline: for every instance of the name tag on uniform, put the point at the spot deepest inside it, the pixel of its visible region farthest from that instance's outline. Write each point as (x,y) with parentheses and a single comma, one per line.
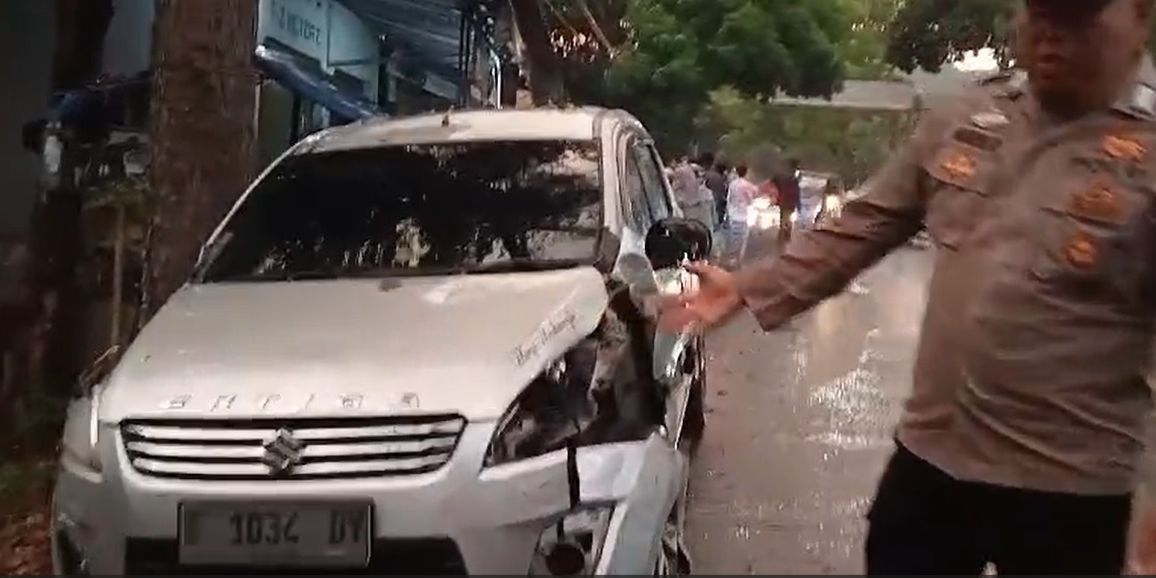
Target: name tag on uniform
(990,120)
(981,140)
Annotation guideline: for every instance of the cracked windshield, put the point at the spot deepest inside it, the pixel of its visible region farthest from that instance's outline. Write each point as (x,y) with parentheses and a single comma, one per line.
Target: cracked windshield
(577,287)
(417,210)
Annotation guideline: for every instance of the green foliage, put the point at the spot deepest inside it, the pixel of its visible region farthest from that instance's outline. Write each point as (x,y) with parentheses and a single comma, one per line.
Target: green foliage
(678,51)
(663,59)
(927,33)
(852,143)
(761,48)
(863,46)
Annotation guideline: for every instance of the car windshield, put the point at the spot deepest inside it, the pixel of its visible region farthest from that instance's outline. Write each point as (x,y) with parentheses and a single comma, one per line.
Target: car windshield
(416,210)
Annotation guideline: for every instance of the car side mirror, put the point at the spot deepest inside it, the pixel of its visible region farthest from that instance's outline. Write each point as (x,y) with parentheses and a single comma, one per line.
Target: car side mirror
(670,241)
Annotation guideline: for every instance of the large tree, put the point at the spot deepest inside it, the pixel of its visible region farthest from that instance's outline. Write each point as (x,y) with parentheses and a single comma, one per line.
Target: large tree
(850,142)
(678,51)
(863,48)
(928,33)
(662,58)
(542,64)
(203,149)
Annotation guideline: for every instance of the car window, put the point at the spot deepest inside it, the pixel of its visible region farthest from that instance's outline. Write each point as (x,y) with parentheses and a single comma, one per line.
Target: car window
(653,182)
(634,190)
(417,210)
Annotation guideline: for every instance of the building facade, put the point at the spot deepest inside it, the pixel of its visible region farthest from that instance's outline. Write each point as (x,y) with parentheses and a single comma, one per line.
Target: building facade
(326,62)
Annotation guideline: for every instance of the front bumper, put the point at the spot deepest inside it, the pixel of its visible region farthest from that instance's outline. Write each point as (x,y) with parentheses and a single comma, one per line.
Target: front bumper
(460,519)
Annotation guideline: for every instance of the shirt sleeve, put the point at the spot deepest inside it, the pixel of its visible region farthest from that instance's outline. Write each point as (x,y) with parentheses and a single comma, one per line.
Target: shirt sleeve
(819,263)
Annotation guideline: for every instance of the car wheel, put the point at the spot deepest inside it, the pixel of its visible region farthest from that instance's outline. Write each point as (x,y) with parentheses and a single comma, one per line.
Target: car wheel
(694,424)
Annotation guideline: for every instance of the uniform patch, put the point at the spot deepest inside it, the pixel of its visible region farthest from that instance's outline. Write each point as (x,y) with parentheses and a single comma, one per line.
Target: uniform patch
(1099,202)
(1123,147)
(1082,251)
(959,165)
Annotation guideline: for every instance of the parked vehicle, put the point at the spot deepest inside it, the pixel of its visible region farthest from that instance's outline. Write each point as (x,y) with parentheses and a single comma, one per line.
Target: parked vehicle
(423,345)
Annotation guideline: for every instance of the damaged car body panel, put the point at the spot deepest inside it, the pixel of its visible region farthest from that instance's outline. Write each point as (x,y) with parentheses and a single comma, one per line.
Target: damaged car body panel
(441,332)
(188,361)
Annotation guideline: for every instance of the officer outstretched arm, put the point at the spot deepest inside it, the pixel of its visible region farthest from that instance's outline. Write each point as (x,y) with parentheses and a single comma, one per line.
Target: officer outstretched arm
(819,263)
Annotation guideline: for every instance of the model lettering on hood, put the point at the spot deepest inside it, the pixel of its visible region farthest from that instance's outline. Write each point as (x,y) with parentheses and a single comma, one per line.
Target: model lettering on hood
(566,320)
(226,403)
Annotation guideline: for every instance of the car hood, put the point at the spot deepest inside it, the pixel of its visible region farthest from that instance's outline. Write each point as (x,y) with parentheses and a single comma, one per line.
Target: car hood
(465,345)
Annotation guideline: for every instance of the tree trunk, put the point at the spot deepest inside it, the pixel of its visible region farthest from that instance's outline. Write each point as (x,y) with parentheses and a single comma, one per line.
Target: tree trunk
(203,130)
(543,65)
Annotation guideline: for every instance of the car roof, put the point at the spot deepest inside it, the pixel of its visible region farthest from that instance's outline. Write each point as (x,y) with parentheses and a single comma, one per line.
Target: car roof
(582,123)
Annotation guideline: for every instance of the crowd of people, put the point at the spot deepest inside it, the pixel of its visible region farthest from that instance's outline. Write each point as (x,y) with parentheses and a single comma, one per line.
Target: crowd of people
(721,196)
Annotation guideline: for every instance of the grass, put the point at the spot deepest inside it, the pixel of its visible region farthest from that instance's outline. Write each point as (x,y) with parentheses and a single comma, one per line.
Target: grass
(25,490)
(26,477)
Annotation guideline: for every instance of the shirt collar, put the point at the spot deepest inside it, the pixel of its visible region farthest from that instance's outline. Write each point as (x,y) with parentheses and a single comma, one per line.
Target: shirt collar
(1139,99)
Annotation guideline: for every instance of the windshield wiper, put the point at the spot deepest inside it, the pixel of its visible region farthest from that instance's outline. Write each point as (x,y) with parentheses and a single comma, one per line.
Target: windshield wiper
(523,266)
(279,277)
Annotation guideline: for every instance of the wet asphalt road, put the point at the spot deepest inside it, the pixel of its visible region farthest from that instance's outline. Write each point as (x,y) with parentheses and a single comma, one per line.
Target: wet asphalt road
(799,428)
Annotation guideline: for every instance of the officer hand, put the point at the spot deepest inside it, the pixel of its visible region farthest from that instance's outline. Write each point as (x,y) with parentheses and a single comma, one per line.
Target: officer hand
(1143,555)
(716,300)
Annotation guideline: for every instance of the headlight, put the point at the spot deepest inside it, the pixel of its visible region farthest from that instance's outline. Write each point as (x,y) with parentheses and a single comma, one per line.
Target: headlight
(82,431)
(556,407)
(761,203)
(572,546)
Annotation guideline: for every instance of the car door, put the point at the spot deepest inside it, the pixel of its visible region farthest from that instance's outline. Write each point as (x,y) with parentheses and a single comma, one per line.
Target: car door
(669,349)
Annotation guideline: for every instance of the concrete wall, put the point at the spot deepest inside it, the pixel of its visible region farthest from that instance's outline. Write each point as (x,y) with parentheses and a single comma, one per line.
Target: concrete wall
(27,38)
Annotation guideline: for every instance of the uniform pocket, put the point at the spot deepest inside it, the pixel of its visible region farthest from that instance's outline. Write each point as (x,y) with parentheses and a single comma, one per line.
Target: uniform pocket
(957,195)
(1071,252)
(1087,239)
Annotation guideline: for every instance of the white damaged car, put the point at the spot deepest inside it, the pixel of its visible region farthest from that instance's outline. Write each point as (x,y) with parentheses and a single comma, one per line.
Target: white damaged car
(423,345)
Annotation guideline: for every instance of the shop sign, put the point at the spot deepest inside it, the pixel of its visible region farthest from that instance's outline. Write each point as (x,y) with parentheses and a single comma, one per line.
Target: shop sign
(299,24)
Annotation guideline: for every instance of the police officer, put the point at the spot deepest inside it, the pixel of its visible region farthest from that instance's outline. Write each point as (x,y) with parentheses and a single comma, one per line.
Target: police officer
(1019,444)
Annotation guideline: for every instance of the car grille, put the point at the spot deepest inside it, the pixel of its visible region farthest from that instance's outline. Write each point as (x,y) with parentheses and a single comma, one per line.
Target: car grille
(320,449)
(422,556)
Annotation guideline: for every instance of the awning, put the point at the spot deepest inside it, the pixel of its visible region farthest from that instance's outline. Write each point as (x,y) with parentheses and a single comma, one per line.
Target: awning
(296,75)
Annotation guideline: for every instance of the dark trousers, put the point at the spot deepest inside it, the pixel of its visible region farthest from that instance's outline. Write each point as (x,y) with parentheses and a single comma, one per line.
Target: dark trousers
(785,224)
(923,521)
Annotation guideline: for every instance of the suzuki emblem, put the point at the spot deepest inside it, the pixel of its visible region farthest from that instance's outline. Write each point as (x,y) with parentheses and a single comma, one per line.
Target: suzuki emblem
(282,452)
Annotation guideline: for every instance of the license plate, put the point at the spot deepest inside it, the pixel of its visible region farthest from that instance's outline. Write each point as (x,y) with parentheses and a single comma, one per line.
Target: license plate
(276,534)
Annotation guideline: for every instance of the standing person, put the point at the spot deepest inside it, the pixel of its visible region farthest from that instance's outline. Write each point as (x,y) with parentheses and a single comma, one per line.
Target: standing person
(787,183)
(716,181)
(1020,442)
(740,194)
(688,192)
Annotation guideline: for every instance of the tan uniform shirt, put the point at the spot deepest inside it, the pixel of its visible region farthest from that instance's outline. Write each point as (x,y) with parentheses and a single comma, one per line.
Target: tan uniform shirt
(1039,322)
